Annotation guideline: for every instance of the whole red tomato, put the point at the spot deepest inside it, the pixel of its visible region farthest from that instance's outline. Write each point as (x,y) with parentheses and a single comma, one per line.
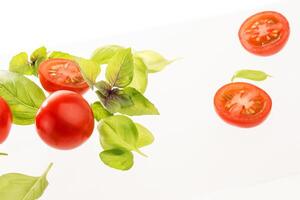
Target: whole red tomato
(65,120)
(5,120)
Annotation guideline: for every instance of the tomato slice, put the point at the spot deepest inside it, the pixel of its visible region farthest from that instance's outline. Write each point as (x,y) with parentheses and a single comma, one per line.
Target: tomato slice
(62,74)
(242,104)
(264,33)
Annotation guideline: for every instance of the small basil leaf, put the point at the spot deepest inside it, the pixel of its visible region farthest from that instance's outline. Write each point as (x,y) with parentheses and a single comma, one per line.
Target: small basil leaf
(104,54)
(145,136)
(16,186)
(23,96)
(99,111)
(140,104)
(103,87)
(119,72)
(153,60)
(19,64)
(118,131)
(140,75)
(253,75)
(38,54)
(3,154)
(117,158)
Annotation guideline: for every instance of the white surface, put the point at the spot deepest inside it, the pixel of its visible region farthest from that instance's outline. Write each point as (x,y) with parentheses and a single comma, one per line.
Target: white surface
(195,155)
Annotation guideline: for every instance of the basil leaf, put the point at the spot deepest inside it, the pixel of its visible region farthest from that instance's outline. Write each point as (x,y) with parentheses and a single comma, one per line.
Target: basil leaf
(118,131)
(15,186)
(23,96)
(140,104)
(3,154)
(19,64)
(99,111)
(104,54)
(153,60)
(145,136)
(140,75)
(117,158)
(119,72)
(253,75)
(38,53)
(103,87)
(89,69)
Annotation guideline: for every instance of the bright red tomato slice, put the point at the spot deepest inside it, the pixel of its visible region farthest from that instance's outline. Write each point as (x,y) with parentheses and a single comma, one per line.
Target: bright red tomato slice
(62,74)
(5,120)
(242,104)
(264,33)
(65,120)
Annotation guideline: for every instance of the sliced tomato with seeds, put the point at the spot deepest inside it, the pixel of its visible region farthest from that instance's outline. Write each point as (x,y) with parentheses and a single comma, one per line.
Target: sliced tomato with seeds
(62,74)
(242,104)
(264,33)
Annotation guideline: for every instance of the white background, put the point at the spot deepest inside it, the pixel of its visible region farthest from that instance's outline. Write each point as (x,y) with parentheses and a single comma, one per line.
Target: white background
(195,155)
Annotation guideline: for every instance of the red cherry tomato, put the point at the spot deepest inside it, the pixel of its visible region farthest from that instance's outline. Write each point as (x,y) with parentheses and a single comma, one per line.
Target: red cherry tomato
(242,104)
(264,33)
(62,74)
(5,120)
(65,120)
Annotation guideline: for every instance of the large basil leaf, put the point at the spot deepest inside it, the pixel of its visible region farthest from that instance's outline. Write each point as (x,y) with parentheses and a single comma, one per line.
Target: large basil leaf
(140,75)
(119,72)
(117,158)
(118,132)
(20,64)
(15,186)
(23,96)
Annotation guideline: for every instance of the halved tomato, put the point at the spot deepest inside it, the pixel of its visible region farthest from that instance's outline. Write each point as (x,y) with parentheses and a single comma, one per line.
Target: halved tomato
(242,104)
(61,74)
(264,33)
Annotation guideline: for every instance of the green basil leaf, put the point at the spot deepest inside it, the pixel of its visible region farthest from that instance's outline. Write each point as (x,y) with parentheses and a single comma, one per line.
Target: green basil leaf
(3,154)
(118,132)
(89,69)
(99,111)
(145,136)
(253,75)
(19,64)
(117,158)
(153,60)
(38,54)
(140,104)
(119,72)
(23,96)
(103,87)
(16,186)
(140,75)
(104,54)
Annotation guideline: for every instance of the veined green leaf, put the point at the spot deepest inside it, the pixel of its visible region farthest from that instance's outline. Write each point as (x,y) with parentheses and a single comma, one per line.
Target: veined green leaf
(103,87)
(140,75)
(153,60)
(117,158)
(119,72)
(99,111)
(253,75)
(15,186)
(104,54)
(23,96)
(20,64)
(118,132)
(140,104)
(145,136)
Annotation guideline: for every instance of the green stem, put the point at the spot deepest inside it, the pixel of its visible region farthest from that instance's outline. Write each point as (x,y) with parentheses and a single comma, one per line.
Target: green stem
(141,153)
(48,169)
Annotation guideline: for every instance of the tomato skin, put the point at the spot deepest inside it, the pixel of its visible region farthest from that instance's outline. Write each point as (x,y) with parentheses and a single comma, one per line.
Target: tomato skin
(65,120)
(267,49)
(240,120)
(52,85)
(5,120)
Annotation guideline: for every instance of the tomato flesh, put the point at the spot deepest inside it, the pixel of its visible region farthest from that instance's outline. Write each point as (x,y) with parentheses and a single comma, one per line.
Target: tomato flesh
(242,104)
(5,120)
(65,120)
(62,74)
(264,33)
